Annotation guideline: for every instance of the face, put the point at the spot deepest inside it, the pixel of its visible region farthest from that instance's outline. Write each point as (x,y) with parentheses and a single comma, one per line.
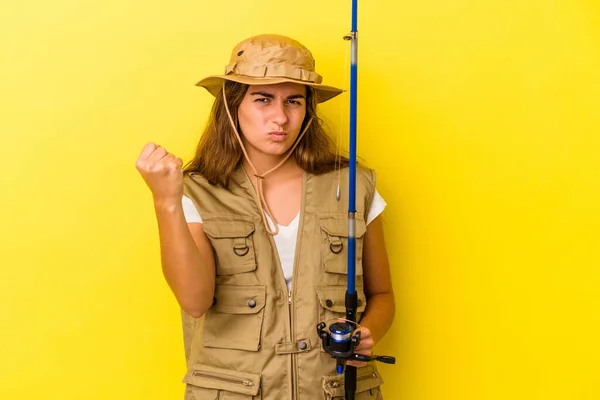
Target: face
(270,117)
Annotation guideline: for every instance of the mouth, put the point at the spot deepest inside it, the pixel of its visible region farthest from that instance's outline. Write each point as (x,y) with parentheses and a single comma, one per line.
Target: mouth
(278,135)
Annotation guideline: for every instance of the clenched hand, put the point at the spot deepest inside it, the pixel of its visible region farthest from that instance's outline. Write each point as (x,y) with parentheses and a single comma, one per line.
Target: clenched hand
(162,172)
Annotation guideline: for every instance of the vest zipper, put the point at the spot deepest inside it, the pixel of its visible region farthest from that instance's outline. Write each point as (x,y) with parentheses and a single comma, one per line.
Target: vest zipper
(294,283)
(292,334)
(224,378)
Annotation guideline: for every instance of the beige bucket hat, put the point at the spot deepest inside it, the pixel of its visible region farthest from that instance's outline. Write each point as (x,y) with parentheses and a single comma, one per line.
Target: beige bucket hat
(270,59)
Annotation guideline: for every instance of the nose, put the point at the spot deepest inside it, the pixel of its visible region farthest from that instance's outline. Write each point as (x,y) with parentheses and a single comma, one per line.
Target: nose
(279,115)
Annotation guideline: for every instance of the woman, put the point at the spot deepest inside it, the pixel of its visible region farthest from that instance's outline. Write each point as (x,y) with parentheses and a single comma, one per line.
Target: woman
(253,235)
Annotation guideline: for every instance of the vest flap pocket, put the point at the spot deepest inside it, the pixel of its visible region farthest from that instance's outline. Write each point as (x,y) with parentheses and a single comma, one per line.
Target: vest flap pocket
(235,319)
(231,299)
(333,298)
(233,244)
(219,229)
(367,379)
(209,377)
(338,225)
(334,243)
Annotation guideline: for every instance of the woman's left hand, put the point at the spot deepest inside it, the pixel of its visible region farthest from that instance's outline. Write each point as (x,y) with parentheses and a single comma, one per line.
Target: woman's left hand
(364,347)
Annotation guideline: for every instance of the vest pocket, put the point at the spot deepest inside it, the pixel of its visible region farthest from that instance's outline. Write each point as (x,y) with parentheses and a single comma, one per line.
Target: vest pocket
(368,382)
(334,243)
(204,382)
(332,303)
(233,243)
(235,319)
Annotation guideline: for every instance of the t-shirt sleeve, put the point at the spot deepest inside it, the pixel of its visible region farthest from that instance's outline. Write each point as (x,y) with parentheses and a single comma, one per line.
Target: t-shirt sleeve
(189,211)
(377,207)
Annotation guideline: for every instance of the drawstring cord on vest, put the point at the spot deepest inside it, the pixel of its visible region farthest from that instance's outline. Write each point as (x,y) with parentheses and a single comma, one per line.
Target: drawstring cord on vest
(262,202)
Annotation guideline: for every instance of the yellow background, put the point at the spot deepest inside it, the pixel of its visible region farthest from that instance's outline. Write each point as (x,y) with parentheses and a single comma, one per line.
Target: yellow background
(481,118)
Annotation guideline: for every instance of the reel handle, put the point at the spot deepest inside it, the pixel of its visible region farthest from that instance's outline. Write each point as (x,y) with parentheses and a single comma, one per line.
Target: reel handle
(383,359)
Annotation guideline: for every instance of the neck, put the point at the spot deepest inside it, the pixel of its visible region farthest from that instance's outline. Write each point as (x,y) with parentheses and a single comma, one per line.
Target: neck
(266,163)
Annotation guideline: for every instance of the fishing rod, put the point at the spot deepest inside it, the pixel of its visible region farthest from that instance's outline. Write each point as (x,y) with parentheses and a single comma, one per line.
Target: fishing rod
(340,341)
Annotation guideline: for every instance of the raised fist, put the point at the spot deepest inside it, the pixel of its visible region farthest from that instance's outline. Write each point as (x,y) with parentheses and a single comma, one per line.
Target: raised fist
(162,172)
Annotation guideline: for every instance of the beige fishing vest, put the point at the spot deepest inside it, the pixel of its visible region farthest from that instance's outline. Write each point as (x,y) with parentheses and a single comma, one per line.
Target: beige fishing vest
(259,340)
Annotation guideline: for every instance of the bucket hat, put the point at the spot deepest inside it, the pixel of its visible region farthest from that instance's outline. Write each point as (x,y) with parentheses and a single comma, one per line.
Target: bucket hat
(269,59)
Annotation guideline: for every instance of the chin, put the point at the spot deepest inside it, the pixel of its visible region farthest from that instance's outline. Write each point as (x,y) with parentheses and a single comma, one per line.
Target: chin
(276,150)
(276,153)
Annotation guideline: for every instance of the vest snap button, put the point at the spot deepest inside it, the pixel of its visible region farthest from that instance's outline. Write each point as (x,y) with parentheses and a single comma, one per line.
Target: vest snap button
(252,303)
(329,303)
(302,346)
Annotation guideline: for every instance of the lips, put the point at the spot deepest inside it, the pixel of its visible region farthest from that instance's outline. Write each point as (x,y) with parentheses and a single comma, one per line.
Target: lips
(278,135)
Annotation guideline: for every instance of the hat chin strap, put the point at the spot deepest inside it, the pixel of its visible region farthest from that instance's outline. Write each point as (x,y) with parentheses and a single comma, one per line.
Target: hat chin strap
(262,202)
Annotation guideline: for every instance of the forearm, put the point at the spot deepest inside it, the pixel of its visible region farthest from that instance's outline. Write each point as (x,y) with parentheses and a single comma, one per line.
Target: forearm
(189,275)
(379,314)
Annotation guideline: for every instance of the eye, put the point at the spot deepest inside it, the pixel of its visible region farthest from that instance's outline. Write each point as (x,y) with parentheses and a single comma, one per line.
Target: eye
(295,102)
(262,100)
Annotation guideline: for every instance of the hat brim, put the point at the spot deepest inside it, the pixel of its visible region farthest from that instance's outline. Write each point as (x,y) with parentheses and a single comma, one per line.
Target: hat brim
(214,85)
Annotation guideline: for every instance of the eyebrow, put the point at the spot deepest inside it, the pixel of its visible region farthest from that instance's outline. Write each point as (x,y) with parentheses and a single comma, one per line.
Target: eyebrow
(269,95)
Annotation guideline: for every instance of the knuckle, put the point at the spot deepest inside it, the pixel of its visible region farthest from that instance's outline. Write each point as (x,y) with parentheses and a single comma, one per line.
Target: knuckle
(156,167)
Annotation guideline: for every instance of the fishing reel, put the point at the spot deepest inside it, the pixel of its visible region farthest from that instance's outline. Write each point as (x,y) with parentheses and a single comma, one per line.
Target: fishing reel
(340,343)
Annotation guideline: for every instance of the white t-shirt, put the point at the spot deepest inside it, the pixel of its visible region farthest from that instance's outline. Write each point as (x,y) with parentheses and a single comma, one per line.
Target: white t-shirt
(285,240)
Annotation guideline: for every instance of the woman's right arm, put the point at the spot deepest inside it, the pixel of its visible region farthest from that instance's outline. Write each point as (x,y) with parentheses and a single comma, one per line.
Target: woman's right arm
(186,254)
